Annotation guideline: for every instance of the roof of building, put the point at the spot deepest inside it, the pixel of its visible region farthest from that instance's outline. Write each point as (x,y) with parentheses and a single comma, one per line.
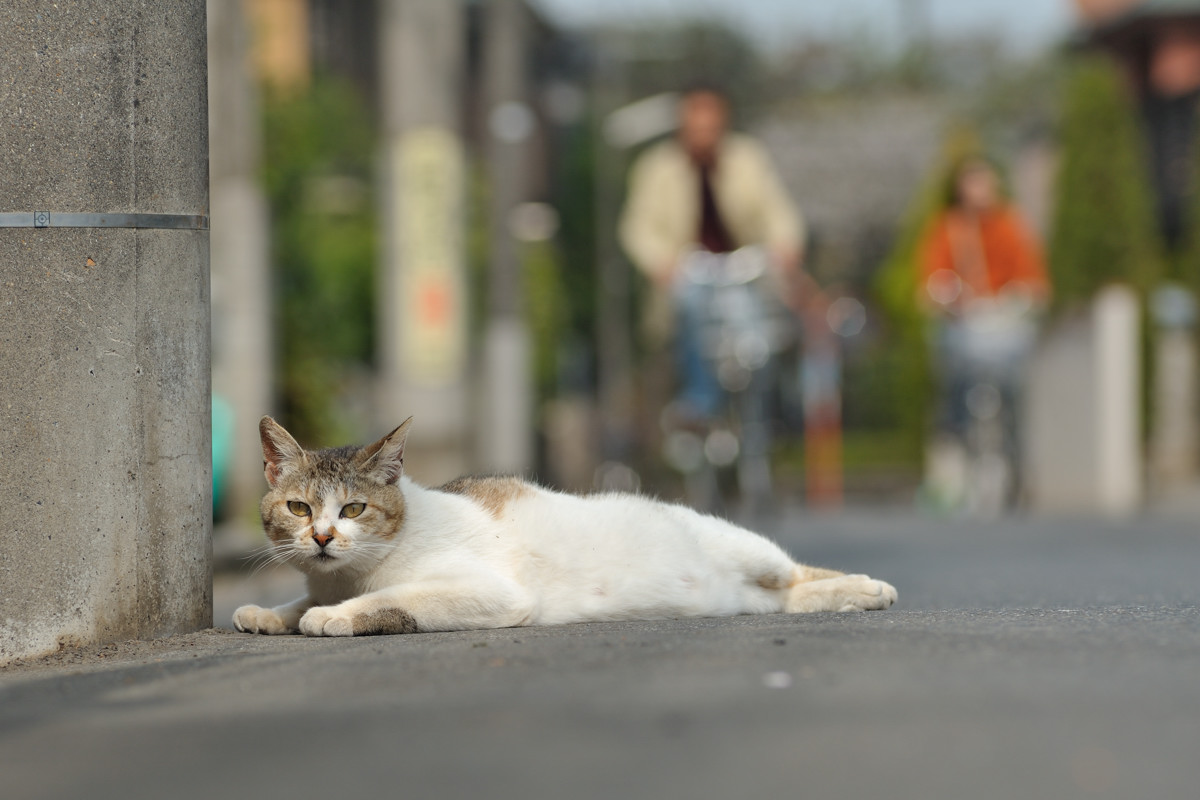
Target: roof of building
(1136,22)
(1149,9)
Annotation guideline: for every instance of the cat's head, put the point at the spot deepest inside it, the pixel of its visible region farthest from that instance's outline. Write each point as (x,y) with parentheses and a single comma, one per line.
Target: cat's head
(329,510)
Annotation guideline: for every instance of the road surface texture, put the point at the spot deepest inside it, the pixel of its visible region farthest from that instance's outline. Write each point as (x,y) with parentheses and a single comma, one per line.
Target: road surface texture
(1026,659)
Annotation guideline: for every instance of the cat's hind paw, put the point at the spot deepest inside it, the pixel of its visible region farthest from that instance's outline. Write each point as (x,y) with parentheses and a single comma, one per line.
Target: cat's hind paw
(326,621)
(254,619)
(866,594)
(843,593)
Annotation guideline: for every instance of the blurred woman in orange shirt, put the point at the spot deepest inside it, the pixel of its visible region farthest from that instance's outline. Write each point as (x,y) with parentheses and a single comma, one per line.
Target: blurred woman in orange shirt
(982,278)
(979,247)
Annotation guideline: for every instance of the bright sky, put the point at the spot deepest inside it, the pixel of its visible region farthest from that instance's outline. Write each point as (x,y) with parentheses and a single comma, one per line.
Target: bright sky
(1027,25)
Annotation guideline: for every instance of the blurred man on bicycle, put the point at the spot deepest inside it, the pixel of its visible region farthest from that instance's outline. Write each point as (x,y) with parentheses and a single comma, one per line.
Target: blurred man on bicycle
(713,190)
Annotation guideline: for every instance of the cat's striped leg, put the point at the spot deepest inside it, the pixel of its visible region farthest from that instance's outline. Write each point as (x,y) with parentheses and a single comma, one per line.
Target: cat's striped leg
(806,573)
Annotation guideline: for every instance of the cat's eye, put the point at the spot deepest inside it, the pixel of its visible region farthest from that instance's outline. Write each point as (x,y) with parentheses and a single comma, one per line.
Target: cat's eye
(352,510)
(298,508)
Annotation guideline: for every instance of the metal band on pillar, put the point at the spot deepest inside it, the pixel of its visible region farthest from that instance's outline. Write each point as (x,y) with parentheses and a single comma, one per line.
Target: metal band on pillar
(48,219)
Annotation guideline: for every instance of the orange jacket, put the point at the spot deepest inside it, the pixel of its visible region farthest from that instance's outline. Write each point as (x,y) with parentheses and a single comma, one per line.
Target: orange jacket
(987,251)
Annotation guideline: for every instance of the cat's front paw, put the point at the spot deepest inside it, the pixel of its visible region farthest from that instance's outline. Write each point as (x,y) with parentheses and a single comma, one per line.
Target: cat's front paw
(326,621)
(254,619)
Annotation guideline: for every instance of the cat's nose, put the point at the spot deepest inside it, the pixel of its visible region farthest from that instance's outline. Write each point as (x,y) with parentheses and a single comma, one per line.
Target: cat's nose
(322,539)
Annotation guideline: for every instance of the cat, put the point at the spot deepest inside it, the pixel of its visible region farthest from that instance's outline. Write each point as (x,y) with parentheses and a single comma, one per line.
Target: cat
(384,555)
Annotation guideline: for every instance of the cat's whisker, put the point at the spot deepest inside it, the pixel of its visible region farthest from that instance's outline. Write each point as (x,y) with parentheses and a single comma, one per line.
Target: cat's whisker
(381,547)
(256,562)
(262,561)
(377,551)
(269,556)
(269,547)
(258,551)
(258,568)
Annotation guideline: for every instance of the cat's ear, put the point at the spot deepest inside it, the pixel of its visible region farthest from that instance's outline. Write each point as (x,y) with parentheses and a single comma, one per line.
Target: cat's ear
(280,451)
(384,460)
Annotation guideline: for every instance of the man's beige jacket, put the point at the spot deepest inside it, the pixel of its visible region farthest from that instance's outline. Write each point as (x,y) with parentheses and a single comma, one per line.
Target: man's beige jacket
(661,218)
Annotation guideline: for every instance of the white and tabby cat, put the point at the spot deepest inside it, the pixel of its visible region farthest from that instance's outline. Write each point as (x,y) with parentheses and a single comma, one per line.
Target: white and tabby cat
(385,555)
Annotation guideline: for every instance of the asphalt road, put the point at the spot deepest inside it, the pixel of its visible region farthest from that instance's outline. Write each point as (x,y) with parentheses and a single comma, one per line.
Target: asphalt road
(1026,659)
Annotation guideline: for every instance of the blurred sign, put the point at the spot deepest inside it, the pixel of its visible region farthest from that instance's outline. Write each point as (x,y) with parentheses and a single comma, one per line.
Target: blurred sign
(429,176)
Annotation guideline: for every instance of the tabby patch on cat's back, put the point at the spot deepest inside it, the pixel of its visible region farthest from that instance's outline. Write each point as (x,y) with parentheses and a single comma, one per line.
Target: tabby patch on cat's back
(384,555)
(493,492)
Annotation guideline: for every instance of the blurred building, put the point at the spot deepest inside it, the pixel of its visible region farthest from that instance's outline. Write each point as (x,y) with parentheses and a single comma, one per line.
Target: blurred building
(1157,42)
(293,39)
(292,42)
(243,346)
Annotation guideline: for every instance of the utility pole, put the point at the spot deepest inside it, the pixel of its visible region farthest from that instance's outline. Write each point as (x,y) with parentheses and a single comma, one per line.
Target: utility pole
(506,410)
(423,304)
(105,478)
(614,316)
(241,290)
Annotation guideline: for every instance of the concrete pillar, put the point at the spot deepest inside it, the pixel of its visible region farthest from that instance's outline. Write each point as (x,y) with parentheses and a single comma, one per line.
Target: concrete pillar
(423,304)
(1173,439)
(241,287)
(105,479)
(1083,436)
(1175,410)
(506,407)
